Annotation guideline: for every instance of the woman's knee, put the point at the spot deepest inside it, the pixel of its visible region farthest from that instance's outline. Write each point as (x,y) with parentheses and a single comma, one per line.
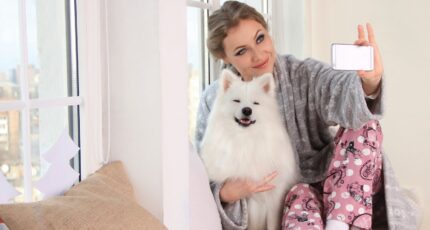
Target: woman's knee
(372,134)
(302,208)
(302,189)
(364,140)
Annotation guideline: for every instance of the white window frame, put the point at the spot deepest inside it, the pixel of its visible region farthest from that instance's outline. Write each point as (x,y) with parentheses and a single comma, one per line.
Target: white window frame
(174,139)
(25,103)
(93,72)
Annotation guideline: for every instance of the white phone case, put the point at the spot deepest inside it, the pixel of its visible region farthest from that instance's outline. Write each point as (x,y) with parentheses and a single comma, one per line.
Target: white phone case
(351,57)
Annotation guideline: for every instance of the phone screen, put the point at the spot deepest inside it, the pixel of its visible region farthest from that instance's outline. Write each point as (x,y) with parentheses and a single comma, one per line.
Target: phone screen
(351,57)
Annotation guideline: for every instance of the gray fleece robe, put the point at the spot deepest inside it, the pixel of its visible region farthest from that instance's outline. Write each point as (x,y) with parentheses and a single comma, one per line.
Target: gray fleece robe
(312,97)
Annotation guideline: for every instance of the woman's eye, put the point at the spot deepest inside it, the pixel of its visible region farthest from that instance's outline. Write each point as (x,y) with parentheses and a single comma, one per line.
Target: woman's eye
(237,101)
(240,52)
(256,103)
(260,38)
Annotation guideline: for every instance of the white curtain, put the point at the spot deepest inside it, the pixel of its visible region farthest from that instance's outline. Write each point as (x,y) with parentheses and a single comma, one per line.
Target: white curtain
(290,26)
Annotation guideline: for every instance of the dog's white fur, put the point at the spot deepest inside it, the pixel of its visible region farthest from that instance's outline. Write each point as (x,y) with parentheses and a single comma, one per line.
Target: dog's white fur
(231,151)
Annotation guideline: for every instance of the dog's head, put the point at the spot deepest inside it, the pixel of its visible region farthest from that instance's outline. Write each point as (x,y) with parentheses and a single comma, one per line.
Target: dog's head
(246,102)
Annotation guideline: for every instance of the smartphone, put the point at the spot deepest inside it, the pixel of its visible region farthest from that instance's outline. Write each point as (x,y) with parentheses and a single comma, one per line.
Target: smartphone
(351,57)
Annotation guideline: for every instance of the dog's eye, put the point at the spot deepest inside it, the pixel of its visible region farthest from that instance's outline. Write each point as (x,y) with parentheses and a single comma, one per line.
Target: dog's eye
(238,101)
(256,103)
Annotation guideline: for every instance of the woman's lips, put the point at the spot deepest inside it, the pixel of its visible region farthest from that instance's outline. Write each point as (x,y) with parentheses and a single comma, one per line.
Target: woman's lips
(261,65)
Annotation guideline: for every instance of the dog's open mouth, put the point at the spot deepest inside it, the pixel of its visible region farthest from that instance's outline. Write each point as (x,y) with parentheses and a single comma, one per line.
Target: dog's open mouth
(245,122)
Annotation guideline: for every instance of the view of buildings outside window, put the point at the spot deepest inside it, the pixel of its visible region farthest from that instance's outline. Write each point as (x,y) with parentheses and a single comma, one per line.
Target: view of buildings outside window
(45,42)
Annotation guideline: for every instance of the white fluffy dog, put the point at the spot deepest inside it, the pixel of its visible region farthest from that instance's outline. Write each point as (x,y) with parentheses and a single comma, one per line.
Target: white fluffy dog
(246,139)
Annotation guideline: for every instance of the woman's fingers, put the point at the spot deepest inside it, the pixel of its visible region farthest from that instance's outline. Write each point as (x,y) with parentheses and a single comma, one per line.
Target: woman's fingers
(264,188)
(361,34)
(370,33)
(235,189)
(361,43)
(265,185)
(372,78)
(269,178)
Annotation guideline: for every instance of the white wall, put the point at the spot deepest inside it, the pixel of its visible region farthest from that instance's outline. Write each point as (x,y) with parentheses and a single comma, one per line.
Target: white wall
(136,96)
(403,36)
(149,119)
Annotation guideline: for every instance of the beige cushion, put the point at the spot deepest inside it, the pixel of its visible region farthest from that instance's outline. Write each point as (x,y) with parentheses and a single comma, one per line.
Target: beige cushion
(105,200)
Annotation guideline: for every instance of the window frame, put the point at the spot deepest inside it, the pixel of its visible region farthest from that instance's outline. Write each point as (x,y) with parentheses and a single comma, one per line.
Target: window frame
(25,104)
(93,56)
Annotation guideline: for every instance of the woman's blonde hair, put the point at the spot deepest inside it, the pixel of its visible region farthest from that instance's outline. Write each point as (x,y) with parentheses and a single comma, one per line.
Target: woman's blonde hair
(227,17)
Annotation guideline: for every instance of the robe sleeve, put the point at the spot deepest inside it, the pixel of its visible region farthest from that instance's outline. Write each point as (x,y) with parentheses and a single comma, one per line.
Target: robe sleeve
(338,96)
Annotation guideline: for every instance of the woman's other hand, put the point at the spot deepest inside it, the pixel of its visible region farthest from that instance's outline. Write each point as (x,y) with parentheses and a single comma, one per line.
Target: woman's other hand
(370,79)
(234,190)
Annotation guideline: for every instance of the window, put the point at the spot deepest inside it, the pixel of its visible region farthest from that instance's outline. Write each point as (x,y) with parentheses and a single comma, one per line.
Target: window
(39,95)
(203,69)
(197,61)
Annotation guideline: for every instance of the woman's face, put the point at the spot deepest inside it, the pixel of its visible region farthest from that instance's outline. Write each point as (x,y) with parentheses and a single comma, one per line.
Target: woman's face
(249,48)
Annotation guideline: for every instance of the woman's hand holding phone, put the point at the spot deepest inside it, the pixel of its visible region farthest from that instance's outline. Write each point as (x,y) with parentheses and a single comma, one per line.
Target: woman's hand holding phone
(362,56)
(370,79)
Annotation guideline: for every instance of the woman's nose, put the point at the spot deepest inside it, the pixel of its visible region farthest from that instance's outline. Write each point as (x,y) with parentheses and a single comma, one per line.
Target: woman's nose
(257,55)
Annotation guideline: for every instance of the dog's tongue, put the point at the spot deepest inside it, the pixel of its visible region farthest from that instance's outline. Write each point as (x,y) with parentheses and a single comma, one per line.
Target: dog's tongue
(245,121)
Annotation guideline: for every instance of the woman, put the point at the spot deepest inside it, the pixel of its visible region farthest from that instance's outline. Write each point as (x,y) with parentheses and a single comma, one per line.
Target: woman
(342,177)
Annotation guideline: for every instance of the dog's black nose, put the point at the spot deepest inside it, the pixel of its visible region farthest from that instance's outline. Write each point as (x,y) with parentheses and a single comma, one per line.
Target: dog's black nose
(247,111)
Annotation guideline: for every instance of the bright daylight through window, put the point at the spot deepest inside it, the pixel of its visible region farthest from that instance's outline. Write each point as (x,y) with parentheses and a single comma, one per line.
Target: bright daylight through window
(39,96)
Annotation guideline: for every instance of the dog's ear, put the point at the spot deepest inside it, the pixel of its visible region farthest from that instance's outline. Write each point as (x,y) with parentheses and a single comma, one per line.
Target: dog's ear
(227,78)
(267,83)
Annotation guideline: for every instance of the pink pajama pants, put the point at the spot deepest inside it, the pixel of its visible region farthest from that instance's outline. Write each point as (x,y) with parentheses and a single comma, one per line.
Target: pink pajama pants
(353,178)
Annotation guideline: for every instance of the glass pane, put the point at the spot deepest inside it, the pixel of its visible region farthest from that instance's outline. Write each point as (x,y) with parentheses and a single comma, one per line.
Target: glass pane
(196,55)
(11,161)
(48,52)
(46,127)
(257,4)
(9,50)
